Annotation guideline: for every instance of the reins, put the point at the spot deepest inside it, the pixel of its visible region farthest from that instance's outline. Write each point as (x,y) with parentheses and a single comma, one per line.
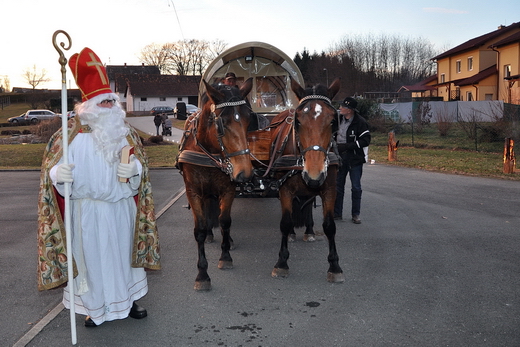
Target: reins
(223,162)
(289,129)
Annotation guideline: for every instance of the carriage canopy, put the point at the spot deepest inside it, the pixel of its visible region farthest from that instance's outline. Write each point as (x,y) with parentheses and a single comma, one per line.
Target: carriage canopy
(270,69)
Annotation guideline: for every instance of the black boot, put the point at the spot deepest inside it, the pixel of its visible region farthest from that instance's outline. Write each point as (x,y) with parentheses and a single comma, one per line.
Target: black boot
(137,312)
(89,323)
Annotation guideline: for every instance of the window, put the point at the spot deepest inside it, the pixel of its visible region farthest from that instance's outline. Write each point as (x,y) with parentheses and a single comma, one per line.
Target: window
(470,63)
(162,98)
(179,99)
(469,96)
(457,66)
(443,78)
(507,71)
(144,99)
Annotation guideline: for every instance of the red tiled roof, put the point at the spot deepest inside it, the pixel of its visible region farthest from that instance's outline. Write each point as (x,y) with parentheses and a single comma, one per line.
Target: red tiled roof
(508,40)
(421,86)
(475,79)
(478,41)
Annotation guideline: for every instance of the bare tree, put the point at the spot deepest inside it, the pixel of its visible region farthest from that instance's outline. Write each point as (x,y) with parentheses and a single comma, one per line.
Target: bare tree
(185,57)
(387,62)
(155,55)
(35,77)
(5,83)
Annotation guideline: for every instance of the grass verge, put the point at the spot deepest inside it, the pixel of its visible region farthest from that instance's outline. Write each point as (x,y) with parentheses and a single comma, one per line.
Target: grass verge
(453,153)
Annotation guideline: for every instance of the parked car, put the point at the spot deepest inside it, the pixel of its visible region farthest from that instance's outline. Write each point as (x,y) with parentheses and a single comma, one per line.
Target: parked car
(17,120)
(191,109)
(34,116)
(161,109)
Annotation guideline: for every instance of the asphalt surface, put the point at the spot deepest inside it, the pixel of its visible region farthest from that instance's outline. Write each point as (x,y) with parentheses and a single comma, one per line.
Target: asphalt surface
(435,262)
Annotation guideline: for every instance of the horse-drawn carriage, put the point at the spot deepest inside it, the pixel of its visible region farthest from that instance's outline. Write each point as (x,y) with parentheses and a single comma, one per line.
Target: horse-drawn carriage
(229,145)
(271,70)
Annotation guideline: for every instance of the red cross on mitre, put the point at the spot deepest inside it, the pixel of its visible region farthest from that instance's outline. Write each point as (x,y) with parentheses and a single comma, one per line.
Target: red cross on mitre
(89,73)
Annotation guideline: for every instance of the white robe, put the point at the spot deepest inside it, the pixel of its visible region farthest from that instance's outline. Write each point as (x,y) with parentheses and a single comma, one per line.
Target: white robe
(103,213)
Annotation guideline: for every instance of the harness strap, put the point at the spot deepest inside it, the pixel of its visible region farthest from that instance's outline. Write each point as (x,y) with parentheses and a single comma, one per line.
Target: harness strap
(230,103)
(310,97)
(197,158)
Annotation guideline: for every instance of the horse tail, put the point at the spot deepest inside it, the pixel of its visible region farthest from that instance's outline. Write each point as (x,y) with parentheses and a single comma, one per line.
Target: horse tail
(301,210)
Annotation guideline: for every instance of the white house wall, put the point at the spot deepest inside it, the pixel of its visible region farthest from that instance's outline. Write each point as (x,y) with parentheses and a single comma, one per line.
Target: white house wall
(481,111)
(145,106)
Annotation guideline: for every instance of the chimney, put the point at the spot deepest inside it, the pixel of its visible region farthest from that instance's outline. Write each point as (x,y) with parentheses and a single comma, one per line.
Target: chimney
(501,26)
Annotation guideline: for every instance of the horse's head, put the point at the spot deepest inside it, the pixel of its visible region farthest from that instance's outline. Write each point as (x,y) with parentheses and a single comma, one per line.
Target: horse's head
(314,120)
(228,118)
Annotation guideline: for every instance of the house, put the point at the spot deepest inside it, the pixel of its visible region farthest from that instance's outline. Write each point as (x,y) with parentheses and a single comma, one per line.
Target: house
(484,68)
(143,92)
(508,68)
(423,89)
(140,87)
(129,70)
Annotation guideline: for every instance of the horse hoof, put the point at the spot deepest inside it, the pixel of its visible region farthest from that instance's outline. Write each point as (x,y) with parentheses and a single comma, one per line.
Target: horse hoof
(277,272)
(225,264)
(291,238)
(202,286)
(309,238)
(209,239)
(335,277)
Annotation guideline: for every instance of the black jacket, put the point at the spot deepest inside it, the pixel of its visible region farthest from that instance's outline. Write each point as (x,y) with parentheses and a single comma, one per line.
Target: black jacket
(355,151)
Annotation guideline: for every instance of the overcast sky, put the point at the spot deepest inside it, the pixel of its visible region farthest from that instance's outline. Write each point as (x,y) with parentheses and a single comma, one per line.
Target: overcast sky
(117,30)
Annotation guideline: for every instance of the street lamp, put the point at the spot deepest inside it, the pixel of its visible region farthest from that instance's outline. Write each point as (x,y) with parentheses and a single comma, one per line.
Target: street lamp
(327,75)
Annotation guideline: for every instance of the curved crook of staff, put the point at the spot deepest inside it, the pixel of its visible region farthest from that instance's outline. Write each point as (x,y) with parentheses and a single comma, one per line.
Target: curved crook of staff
(70,271)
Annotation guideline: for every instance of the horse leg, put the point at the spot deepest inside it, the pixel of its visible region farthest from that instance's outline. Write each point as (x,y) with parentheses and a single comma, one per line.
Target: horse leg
(225,261)
(212,213)
(281,269)
(202,281)
(309,235)
(335,273)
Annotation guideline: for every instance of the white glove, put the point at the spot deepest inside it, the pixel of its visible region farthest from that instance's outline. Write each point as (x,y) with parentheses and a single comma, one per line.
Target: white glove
(128,170)
(64,173)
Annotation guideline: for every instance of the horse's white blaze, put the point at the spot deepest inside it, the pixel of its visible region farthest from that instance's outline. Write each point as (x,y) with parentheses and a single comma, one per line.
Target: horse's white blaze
(317,111)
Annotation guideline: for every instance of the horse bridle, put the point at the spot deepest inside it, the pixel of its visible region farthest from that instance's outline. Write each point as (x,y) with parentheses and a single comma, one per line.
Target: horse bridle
(225,164)
(297,137)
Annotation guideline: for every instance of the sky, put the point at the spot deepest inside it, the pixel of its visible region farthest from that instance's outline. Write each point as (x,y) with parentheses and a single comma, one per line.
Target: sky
(117,30)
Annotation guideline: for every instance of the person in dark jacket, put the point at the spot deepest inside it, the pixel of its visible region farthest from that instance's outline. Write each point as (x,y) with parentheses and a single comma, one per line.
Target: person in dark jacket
(158,121)
(353,138)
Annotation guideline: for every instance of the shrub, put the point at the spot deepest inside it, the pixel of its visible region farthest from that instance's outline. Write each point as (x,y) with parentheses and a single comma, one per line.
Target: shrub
(45,129)
(155,139)
(10,132)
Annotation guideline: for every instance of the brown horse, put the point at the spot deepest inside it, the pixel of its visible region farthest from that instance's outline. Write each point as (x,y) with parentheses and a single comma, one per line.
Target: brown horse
(305,162)
(213,157)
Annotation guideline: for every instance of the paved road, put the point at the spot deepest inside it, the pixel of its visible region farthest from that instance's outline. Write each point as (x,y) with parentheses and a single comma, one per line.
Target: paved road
(436,262)
(146,124)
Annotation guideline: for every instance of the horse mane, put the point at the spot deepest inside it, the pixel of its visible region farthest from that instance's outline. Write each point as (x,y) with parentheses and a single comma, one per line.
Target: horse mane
(228,93)
(318,89)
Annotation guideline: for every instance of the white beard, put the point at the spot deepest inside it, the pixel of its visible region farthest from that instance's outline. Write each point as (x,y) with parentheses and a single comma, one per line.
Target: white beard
(108,127)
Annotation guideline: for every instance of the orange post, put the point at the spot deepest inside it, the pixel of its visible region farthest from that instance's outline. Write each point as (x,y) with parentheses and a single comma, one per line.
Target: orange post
(392,147)
(509,156)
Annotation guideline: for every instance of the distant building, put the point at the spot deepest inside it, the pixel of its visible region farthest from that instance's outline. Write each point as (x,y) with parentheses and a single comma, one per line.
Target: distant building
(141,88)
(484,68)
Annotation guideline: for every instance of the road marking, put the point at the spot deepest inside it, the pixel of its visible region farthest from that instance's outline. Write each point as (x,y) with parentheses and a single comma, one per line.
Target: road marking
(38,327)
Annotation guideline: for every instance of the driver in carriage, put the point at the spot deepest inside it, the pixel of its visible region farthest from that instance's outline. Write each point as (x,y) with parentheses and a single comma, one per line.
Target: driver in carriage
(258,122)
(230,80)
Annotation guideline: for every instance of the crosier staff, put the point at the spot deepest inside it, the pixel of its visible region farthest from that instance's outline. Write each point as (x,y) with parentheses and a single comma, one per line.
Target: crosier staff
(66,211)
